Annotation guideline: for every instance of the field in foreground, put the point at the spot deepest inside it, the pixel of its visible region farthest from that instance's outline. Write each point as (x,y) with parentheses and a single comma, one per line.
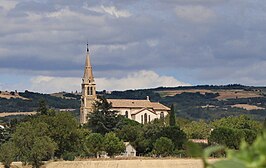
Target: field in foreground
(139,163)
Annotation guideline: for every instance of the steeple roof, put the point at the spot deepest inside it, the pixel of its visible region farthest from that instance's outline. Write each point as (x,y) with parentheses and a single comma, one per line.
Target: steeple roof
(88,75)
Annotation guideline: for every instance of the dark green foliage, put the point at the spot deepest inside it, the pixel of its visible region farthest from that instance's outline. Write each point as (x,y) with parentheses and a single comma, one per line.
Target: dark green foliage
(113,145)
(32,102)
(163,146)
(5,135)
(69,156)
(33,143)
(103,119)
(8,153)
(63,129)
(226,136)
(42,107)
(177,136)
(94,143)
(172,120)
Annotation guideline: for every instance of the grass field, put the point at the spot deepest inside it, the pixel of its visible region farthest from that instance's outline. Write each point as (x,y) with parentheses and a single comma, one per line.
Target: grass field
(134,163)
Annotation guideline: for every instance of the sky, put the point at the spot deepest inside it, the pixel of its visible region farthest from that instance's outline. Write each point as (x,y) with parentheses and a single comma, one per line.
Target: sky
(133,43)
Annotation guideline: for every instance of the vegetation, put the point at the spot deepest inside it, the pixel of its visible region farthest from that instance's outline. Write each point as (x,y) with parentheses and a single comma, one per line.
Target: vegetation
(163,146)
(103,120)
(52,134)
(8,153)
(112,144)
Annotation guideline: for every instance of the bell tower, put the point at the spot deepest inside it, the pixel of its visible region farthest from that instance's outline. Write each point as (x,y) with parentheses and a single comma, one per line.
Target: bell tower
(88,87)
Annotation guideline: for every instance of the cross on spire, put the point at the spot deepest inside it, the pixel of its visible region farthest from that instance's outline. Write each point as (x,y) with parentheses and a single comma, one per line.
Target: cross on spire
(87,47)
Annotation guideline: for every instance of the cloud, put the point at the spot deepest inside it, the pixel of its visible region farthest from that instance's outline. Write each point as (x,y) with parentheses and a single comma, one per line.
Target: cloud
(111,10)
(207,40)
(136,80)
(194,13)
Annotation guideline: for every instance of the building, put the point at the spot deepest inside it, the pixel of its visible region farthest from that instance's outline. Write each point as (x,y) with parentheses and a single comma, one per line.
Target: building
(130,150)
(142,111)
(88,89)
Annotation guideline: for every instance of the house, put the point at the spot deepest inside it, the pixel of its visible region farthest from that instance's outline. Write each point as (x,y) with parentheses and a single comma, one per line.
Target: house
(130,150)
(142,111)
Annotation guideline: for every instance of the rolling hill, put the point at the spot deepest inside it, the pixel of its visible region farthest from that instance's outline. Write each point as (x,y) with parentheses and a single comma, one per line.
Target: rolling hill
(192,102)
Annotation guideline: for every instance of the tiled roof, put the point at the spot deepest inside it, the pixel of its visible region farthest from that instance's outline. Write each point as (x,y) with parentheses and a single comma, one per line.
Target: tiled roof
(159,106)
(128,103)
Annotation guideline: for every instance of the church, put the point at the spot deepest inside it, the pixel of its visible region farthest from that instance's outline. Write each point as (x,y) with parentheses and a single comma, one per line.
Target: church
(142,111)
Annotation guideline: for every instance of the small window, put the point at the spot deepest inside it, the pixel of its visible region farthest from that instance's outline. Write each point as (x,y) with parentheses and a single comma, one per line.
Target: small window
(126,114)
(141,119)
(149,118)
(161,115)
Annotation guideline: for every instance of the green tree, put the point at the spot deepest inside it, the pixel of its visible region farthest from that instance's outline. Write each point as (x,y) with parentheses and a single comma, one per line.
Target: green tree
(103,120)
(33,143)
(163,146)
(226,136)
(239,122)
(42,107)
(8,153)
(172,117)
(63,129)
(113,145)
(94,143)
(197,130)
(177,136)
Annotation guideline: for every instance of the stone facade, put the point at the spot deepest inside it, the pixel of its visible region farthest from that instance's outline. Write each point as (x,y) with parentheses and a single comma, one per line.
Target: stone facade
(142,111)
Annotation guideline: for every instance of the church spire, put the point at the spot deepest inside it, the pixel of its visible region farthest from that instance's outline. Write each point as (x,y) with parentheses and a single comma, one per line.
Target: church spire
(88,75)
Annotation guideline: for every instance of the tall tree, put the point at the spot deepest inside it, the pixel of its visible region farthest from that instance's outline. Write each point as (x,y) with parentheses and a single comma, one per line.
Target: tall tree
(42,107)
(163,146)
(33,143)
(113,145)
(103,120)
(172,120)
(94,143)
(8,153)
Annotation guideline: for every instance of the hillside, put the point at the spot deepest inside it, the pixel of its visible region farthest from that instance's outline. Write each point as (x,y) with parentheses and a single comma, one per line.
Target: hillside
(193,102)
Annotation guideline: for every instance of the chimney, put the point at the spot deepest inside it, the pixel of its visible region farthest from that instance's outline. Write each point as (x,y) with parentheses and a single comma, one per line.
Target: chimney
(148,98)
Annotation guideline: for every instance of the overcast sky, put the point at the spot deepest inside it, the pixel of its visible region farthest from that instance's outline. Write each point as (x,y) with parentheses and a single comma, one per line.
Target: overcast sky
(133,43)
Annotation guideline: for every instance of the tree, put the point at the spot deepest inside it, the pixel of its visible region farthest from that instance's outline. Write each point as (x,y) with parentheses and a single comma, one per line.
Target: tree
(197,130)
(42,107)
(163,146)
(172,120)
(226,136)
(240,122)
(177,136)
(33,143)
(103,120)
(63,130)
(8,153)
(94,143)
(113,145)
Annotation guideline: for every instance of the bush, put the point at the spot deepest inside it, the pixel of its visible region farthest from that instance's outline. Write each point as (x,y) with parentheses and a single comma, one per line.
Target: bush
(68,156)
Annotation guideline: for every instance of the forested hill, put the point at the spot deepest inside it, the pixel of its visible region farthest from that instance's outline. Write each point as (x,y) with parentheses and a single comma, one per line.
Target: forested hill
(193,102)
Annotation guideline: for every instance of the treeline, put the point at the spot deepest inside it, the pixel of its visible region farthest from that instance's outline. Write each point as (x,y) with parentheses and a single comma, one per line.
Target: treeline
(54,135)
(31,104)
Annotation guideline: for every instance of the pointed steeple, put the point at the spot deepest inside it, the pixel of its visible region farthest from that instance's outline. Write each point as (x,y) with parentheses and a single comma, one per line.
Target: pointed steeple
(88,75)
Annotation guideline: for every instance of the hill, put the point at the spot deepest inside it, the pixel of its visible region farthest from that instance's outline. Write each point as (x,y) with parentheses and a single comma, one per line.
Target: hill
(193,102)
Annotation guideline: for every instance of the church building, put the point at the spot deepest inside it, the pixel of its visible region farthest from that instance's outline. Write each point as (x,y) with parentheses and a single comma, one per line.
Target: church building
(142,111)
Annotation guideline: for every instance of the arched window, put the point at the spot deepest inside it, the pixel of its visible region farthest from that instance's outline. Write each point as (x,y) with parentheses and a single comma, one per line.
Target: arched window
(141,119)
(91,91)
(126,114)
(149,118)
(145,118)
(161,115)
